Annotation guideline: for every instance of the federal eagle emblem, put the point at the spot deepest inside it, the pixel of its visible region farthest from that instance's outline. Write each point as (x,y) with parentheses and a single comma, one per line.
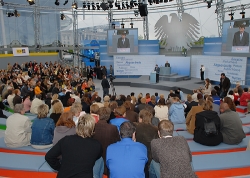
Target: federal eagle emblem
(177,33)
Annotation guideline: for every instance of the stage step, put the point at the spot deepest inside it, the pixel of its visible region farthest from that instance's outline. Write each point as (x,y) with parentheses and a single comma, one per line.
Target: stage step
(175,78)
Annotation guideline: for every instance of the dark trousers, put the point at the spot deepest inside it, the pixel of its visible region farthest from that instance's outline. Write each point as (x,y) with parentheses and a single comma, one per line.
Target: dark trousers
(157,78)
(105,92)
(202,75)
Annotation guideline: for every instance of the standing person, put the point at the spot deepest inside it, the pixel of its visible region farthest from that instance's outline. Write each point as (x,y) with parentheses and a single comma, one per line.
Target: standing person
(167,64)
(157,70)
(126,158)
(202,70)
(105,86)
(224,85)
(241,38)
(111,70)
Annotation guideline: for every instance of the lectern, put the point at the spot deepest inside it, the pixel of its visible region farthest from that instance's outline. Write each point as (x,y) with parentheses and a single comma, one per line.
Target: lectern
(153,77)
(165,70)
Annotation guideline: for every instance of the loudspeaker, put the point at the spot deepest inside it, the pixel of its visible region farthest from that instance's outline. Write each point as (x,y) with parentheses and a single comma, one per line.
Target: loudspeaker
(143,10)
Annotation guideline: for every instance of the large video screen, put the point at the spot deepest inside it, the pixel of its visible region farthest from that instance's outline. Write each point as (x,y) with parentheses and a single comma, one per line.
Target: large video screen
(122,41)
(235,38)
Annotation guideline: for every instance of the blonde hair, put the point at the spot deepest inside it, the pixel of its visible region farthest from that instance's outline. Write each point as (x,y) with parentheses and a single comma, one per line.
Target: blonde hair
(42,111)
(146,116)
(189,97)
(54,97)
(165,128)
(75,108)
(57,107)
(94,108)
(208,106)
(85,126)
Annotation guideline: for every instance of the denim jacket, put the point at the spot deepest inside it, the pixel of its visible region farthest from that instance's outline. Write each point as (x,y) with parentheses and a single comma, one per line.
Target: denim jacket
(42,131)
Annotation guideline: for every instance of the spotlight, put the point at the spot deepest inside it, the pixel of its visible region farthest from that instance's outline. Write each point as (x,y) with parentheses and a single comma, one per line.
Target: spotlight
(84,4)
(231,15)
(123,5)
(150,2)
(63,17)
(88,5)
(156,1)
(74,5)
(242,14)
(117,4)
(113,25)
(1,2)
(31,2)
(10,14)
(66,2)
(93,6)
(127,5)
(160,1)
(16,14)
(111,4)
(122,25)
(57,2)
(97,6)
(131,25)
(131,4)
(165,1)
(135,3)
(209,3)
(136,12)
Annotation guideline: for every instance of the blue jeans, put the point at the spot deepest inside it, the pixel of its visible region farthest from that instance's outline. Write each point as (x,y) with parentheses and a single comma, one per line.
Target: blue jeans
(223,94)
(154,170)
(98,168)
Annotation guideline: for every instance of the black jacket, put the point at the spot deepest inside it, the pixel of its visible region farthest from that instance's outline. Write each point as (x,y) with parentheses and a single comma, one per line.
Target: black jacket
(225,85)
(199,131)
(105,83)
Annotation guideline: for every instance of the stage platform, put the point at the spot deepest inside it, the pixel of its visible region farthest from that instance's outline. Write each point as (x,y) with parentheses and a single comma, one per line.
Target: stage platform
(186,86)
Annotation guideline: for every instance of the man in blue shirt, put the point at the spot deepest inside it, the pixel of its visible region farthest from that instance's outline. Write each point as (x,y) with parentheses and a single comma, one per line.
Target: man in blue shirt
(120,113)
(127,158)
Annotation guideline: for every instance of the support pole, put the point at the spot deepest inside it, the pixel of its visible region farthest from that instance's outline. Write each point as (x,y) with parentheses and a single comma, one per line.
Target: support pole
(220,16)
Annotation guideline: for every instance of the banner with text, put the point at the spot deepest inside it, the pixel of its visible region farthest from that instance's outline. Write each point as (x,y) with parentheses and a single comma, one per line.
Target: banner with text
(134,64)
(233,67)
(23,51)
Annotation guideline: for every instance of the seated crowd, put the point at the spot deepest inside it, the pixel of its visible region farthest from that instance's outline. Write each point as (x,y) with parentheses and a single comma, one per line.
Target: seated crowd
(128,132)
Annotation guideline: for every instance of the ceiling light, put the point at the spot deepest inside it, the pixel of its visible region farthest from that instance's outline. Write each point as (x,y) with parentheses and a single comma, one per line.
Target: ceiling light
(74,5)
(16,14)
(63,17)
(88,5)
(98,6)
(231,15)
(66,2)
(242,14)
(57,2)
(31,2)
(93,6)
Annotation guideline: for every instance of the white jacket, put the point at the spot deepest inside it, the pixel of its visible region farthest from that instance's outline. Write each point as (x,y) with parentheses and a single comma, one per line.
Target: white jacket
(10,100)
(35,104)
(18,132)
(161,112)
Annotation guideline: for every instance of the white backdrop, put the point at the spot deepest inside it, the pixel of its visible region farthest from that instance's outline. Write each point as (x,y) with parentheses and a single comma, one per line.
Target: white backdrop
(135,64)
(233,67)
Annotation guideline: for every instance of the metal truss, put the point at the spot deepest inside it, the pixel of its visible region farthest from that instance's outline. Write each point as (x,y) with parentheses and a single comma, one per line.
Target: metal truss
(180,8)
(37,25)
(75,39)
(220,16)
(145,28)
(110,18)
(235,8)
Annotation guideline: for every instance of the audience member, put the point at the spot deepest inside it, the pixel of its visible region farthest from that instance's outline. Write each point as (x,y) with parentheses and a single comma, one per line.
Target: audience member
(133,98)
(244,97)
(106,100)
(230,103)
(94,111)
(86,102)
(131,115)
(70,102)
(18,128)
(113,105)
(79,152)
(26,103)
(189,104)
(155,120)
(216,98)
(126,158)
(207,126)
(152,102)
(176,112)
(64,126)
(216,107)
(161,110)
(10,98)
(57,110)
(148,99)
(231,125)
(17,98)
(145,133)
(76,110)
(42,129)
(120,117)
(98,101)
(142,105)
(172,153)
(231,95)
(105,133)
(35,104)
(236,97)
(207,88)
(194,96)
(191,117)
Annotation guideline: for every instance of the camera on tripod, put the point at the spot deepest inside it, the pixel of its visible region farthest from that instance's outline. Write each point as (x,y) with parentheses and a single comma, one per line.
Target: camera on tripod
(111,77)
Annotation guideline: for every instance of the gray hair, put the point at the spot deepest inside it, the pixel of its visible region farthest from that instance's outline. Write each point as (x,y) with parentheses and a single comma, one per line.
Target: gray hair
(18,108)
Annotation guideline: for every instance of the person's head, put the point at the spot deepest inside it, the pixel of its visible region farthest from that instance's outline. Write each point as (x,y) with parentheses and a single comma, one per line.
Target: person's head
(201,102)
(189,98)
(132,94)
(175,99)
(153,99)
(143,100)
(245,89)
(123,35)
(17,92)
(66,119)
(165,128)
(42,111)
(208,106)
(106,99)
(145,116)
(76,109)
(55,97)
(223,107)
(85,126)
(120,111)
(202,65)
(127,130)
(156,65)
(161,102)
(98,99)
(147,95)
(27,96)
(57,107)
(207,81)
(104,113)
(94,109)
(231,92)
(150,109)
(213,93)
(222,75)
(127,105)
(241,28)
(104,76)
(156,94)
(39,96)
(235,90)
(19,108)
(70,101)
(230,103)
(38,83)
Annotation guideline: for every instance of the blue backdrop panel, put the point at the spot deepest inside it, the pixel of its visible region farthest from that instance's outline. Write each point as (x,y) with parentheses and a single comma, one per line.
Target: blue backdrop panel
(212,46)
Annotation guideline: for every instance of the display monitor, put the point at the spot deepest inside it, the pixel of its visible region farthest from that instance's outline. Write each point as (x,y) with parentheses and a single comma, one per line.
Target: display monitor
(122,41)
(235,38)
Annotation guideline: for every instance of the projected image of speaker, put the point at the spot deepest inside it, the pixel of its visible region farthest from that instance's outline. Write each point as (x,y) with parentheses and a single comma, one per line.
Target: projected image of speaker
(143,10)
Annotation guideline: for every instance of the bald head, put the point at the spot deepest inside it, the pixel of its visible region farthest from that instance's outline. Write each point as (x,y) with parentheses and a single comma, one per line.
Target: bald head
(224,107)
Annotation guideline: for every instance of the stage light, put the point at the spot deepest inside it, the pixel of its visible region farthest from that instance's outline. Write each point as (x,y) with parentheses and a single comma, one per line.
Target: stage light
(74,5)
(57,2)
(88,5)
(117,4)
(209,3)
(93,6)
(63,17)
(131,4)
(66,2)
(156,1)
(16,14)
(165,1)
(1,2)
(123,5)
(131,25)
(231,15)
(150,2)
(10,14)
(84,4)
(98,6)
(122,25)
(127,5)
(31,2)
(135,3)
(110,4)
(136,12)
(242,14)
(161,1)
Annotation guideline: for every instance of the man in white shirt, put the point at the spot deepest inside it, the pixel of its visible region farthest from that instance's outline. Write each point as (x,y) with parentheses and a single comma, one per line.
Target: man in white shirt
(35,104)
(10,99)
(202,70)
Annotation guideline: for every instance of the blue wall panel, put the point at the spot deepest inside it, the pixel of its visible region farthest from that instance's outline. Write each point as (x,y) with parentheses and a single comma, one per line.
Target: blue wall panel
(212,46)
